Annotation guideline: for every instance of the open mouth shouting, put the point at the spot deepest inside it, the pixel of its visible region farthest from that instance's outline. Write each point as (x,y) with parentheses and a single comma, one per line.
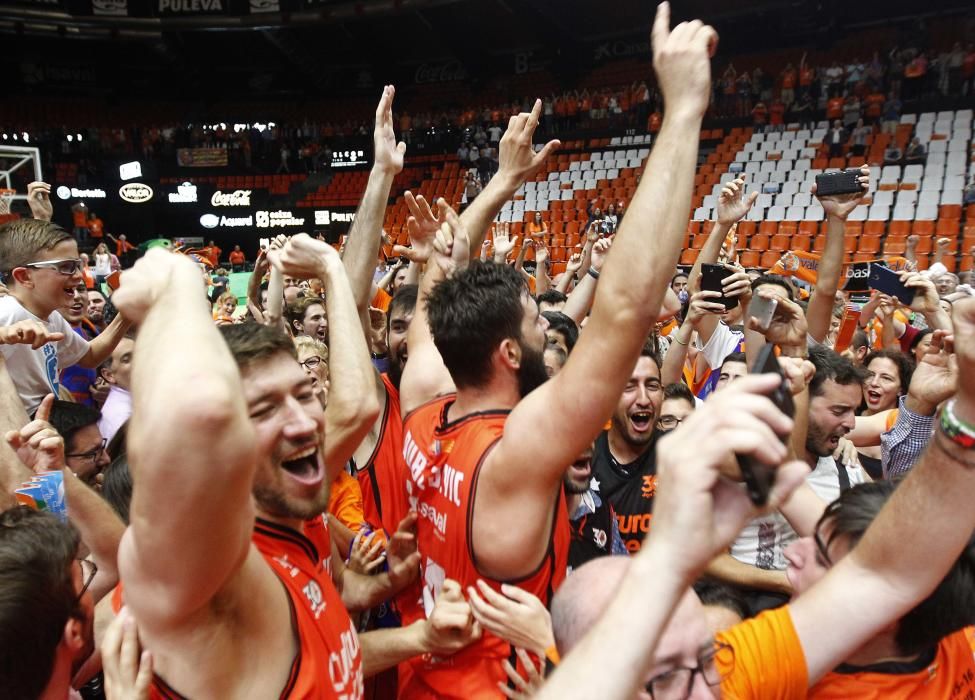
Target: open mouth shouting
(641,421)
(873,397)
(305,466)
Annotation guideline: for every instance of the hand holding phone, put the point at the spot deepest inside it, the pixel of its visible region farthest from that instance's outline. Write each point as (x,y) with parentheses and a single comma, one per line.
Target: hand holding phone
(712,280)
(889,282)
(758,476)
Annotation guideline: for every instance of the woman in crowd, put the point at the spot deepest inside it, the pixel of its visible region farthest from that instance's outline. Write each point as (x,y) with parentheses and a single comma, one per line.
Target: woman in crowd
(888,377)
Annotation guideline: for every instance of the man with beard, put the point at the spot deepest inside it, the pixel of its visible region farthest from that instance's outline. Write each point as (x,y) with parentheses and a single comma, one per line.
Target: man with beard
(592,521)
(833,401)
(486,438)
(624,460)
(96,309)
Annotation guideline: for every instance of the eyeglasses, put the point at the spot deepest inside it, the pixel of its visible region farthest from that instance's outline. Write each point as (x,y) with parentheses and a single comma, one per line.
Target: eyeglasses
(312,362)
(670,422)
(88,571)
(676,684)
(66,267)
(91,455)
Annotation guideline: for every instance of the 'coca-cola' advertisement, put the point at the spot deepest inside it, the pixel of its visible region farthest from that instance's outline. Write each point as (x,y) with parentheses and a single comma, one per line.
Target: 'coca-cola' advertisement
(444,72)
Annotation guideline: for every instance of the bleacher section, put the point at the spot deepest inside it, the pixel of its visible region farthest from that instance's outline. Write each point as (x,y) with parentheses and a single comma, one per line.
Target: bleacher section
(925,200)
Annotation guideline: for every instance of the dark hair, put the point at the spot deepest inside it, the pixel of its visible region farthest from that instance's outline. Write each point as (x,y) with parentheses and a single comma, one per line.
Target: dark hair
(562,324)
(551,296)
(117,486)
(37,596)
(679,390)
(295,311)
(734,357)
(68,418)
(713,592)
(952,604)
(403,301)
(679,274)
(471,313)
(905,366)
(776,280)
(252,342)
(23,239)
(832,365)
(921,335)
(860,339)
(651,349)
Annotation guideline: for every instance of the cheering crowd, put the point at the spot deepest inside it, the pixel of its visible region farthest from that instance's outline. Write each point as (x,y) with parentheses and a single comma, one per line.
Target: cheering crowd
(485,483)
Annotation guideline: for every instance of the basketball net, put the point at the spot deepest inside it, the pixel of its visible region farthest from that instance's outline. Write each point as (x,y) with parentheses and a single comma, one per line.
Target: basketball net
(6,197)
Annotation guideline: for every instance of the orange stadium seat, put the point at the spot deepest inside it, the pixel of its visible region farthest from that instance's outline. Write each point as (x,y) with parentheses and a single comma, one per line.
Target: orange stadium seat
(689,256)
(802,241)
(769,258)
(923,228)
(899,228)
(947,227)
(749,258)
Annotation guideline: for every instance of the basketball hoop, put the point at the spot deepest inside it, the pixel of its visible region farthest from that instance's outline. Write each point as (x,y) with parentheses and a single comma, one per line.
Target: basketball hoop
(6,196)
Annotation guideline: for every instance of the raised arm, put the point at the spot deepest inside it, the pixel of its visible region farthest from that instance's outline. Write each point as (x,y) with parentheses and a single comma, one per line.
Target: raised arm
(352,403)
(894,566)
(187,537)
(838,208)
(581,298)
(517,161)
(365,235)
(632,286)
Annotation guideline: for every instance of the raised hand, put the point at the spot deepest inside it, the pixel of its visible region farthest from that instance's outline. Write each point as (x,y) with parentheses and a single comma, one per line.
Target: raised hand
(422,226)
(504,242)
(681,60)
(935,378)
(525,688)
(699,307)
(451,247)
(151,276)
(39,200)
(38,445)
(302,256)
(366,553)
(33,333)
(600,250)
(517,159)
(573,264)
(541,254)
(788,326)
(733,204)
(401,553)
(388,154)
(926,300)
(841,205)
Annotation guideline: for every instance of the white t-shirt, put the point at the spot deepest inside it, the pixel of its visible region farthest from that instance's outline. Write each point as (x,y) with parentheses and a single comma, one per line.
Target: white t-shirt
(103,264)
(722,343)
(763,541)
(35,372)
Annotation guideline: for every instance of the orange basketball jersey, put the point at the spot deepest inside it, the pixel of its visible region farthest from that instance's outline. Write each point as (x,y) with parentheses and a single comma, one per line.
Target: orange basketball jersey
(444,460)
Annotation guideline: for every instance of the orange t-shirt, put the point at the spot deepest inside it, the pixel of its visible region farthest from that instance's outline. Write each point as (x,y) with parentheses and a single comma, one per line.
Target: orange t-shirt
(345,501)
(236,257)
(381,300)
(834,108)
(534,228)
(444,460)
(789,79)
(96,228)
(79,218)
(122,247)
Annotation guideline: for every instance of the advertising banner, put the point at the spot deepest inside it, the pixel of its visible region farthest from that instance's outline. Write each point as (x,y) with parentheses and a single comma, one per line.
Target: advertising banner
(201,157)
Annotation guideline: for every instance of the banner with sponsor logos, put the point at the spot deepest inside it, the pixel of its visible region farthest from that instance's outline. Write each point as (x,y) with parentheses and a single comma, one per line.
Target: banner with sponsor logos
(201,157)
(805,266)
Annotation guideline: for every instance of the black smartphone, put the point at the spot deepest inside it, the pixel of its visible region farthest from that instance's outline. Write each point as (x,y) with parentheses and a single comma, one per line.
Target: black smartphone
(889,282)
(712,277)
(841,182)
(758,476)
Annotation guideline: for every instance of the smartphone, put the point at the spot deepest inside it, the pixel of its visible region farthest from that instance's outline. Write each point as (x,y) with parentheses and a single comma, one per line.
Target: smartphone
(842,182)
(889,282)
(264,243)
(762,310)
(758,476)
(712,277)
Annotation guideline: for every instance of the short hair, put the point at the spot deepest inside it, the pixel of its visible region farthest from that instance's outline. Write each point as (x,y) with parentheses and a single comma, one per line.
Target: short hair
(860,339)
(295,311)
(952,604)
(253,342)
(560,323)
(679,274)
(404,301)
(735,357)
(117,486)
(37,596)
(831,365)
(905,365)
(679,390)
(471,313)
(651,349)
(23,239)
(714,592)
(68,418)
(778,280)
(551,296)
(306,342)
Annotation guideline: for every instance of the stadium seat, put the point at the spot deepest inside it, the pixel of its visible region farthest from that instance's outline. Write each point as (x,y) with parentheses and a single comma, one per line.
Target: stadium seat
(749,258)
